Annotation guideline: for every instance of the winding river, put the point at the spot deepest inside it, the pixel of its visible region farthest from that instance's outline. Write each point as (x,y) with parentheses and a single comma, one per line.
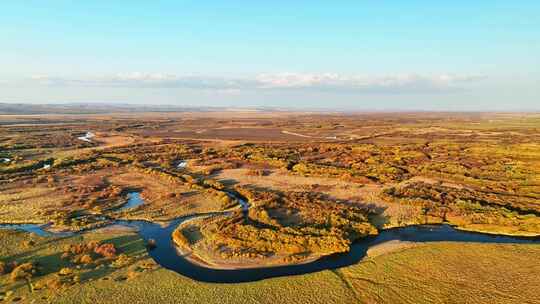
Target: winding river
(166,255)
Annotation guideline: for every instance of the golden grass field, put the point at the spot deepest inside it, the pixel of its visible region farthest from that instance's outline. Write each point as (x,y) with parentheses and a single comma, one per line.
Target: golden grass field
(439,272)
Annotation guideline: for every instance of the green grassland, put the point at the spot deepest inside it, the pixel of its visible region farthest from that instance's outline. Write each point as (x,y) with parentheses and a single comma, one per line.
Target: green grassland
(427,273)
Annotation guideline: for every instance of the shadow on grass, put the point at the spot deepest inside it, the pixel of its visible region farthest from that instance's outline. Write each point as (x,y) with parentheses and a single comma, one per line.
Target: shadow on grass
(229,182)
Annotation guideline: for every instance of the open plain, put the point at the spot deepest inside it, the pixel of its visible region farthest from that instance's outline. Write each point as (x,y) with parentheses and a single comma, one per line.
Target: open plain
(91,203)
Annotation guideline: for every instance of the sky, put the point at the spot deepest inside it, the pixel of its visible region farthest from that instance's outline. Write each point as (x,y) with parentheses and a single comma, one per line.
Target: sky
(353,55)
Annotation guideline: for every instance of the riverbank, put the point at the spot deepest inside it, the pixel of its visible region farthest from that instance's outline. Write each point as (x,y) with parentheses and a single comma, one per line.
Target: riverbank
(430,273)
(209,259)
(388,241)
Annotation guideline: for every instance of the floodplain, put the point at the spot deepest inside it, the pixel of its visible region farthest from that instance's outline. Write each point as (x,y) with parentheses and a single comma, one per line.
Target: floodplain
(255,190)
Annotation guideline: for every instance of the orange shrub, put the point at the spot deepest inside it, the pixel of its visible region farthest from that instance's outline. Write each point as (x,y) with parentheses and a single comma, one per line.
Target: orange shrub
(106,250)
(23,271)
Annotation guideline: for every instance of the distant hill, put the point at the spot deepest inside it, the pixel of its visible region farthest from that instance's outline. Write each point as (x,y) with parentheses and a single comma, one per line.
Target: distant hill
(98,108)
(104,108)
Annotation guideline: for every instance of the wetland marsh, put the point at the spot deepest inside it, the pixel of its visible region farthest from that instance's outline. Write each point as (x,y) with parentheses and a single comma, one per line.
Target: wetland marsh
(246,210)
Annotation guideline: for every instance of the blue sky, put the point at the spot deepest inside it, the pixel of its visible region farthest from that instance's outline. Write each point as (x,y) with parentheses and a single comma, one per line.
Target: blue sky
(365,55)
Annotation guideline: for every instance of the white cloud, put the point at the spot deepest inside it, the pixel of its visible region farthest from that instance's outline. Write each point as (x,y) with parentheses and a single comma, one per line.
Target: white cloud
(405,83)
